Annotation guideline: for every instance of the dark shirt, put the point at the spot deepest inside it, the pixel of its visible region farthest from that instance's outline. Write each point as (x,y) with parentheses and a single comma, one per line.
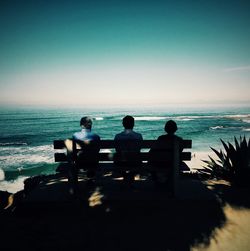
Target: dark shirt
(165,142)
(128,141)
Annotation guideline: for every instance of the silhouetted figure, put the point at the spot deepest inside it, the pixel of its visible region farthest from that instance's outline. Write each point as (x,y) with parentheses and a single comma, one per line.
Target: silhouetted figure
(162,171)
(128,141)
(86,158)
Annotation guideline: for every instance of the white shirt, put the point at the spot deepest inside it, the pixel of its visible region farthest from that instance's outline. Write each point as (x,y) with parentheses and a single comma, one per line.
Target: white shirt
(85,134)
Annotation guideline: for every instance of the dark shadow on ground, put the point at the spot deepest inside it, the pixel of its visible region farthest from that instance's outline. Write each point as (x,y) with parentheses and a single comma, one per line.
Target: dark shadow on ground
(233,195)
(116,224)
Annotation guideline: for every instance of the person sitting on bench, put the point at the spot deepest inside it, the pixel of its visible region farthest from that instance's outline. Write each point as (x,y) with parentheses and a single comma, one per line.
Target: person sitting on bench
(162,171)
(86,137)
(128,141)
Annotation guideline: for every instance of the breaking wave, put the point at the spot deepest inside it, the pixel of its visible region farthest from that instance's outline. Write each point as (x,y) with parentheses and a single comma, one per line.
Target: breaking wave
(13,186)
(149,118)
(19,157)
(13,144)
(216,127)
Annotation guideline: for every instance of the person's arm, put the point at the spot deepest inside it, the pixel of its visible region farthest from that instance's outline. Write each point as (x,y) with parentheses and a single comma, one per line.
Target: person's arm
(116,138)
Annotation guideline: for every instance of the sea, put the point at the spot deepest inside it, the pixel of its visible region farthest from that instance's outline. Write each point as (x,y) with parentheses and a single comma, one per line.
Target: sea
(27,133)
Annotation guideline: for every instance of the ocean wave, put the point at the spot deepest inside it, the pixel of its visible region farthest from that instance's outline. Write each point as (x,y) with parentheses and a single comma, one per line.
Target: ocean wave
(149,118)
(243,117)
(246,129)
(240,128)
(31,169)
(154,118)
(13,186)
(18,157)
(13,144)
(238,116)
(246,120)
(185,118)
(216,127)
(2,176)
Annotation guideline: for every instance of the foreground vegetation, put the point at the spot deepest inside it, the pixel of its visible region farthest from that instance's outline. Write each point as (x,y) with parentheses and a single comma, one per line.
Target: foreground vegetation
(232,164)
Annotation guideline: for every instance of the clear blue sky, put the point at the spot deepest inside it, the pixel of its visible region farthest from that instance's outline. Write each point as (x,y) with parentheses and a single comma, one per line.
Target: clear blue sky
(124,52)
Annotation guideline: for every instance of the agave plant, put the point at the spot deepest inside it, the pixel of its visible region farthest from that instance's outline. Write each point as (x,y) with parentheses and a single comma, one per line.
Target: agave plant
(233,163)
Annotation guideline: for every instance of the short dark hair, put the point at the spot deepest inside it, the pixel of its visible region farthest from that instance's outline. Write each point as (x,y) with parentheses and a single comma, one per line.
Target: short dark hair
(128,122)
(171,127)
(86,122)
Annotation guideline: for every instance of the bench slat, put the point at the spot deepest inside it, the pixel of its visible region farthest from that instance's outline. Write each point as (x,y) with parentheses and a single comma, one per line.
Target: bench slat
(158,156)
(59,144)
(60,157)
(110,144)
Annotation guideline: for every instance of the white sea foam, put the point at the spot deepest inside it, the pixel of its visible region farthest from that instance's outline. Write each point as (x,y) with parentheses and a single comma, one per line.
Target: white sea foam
(18,157)
(98,118)
(2,176)
(238,116)
(13,186)
(14,144)
(149,118)
(246,120)
(246,129)
(242,117)
(216,127)
(178,118)
(245,117)
(184,118)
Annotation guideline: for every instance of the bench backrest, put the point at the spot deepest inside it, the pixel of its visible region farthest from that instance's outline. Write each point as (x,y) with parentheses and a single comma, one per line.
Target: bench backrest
(107,150)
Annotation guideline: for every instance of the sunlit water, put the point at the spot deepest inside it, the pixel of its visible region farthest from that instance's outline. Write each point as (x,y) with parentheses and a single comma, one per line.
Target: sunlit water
(26,140)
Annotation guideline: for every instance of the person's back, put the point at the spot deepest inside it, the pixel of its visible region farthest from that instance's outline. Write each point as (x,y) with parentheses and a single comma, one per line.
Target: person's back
(165,142)
(87,158)
(85,134)
(169,139)
(129,141)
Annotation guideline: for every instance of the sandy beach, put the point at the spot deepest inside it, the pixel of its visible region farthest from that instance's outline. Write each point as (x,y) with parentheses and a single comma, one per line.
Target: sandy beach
(196,162)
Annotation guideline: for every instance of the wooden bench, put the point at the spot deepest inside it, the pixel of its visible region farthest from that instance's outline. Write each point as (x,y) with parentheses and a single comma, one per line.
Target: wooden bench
(107,154)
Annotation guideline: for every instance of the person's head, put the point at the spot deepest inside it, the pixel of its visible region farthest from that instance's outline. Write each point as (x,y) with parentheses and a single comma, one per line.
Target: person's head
(170,127)
(86,122)
(128,122)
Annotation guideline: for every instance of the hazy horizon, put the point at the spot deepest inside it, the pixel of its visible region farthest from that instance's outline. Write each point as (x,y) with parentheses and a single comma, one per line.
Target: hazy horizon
(137,53)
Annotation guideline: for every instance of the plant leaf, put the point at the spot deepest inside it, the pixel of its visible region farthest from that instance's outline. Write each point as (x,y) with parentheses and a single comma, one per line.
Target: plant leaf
(244,143)
(225,145)
(237,146)
(219,154)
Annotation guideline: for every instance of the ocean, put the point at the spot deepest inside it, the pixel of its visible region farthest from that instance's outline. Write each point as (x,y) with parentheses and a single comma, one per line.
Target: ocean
(27,134)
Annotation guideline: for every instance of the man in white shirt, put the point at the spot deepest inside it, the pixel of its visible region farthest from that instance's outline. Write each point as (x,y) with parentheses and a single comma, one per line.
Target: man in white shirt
(84,136)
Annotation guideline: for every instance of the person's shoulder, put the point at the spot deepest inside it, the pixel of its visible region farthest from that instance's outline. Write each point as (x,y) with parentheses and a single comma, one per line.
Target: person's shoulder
(76,135)
(179,138)
(138,135)
(95,136)
(118,135)
(162,137)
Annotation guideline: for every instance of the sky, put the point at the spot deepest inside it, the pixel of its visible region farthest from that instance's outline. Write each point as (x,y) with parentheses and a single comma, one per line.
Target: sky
(90,53)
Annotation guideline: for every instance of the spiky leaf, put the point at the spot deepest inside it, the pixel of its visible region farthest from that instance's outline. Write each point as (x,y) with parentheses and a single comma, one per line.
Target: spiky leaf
(236,144)
(225,145)
(219,154)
